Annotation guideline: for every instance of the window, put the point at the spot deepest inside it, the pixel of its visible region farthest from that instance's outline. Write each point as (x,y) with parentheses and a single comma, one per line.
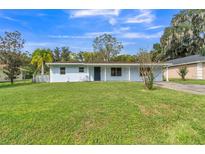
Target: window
(81,69)
(116,71)
(62,70)
(144,70)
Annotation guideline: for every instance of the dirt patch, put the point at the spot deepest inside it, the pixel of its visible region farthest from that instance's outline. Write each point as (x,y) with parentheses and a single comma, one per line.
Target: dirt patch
(148,110)
(164,106)
(158,109)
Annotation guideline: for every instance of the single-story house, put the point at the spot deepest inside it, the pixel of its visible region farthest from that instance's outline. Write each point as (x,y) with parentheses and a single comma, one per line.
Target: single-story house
(195,65)
(74,72)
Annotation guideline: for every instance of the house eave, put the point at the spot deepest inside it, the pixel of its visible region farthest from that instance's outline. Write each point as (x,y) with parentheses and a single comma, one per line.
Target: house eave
(194,62)
(109,64)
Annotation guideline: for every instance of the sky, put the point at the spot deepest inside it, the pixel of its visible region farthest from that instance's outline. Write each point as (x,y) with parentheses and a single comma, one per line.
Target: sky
(77,29)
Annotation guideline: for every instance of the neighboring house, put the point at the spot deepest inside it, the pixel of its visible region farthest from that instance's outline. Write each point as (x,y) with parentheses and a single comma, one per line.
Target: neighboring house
(195,65)
(74,72)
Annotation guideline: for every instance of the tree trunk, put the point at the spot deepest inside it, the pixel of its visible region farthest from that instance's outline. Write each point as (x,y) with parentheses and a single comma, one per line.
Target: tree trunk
(12,80)
(42,69)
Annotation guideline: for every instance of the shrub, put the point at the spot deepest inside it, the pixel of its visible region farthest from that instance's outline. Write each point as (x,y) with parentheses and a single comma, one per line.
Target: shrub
(183,72)
(149,80)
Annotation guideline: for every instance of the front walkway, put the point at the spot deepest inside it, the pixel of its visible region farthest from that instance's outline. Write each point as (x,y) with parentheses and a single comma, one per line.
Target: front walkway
(190,88)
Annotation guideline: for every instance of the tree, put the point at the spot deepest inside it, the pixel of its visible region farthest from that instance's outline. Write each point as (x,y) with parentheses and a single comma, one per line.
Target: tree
(27,69)
(40,57)
(156,53)
(81,56)
(185,36)
(56,55)
(89,56)
(108,46)
(183,72)
(10,53)
(65,54)
(62,54)
(74,57)
(124,58)
(146,68)
(202,51)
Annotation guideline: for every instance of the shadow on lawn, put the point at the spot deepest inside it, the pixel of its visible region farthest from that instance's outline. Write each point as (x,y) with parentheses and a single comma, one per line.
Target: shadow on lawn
(16,84)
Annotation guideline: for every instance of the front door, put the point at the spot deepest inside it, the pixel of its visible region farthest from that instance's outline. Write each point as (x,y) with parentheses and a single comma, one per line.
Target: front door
(96,73)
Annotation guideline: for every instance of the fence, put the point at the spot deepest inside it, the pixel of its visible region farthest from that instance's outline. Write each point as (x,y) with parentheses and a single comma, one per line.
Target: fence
(41,78)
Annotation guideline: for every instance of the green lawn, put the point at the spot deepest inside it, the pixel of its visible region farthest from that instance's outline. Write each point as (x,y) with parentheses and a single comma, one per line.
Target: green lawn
(99,113)
(189,81)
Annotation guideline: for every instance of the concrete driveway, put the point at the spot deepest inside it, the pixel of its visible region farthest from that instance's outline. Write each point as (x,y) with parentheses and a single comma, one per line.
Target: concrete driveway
(190,88)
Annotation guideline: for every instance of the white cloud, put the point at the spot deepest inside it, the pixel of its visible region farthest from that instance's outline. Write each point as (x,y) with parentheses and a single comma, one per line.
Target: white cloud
(145,16)
(112,21)
(155,27)
(8,18)
(81,48)
(30,46)
(99,12)
(69,36)
(121,32)
(128,43)
(90,35)
(5,30)
(41,14)
(118,34)
(39,44)
(133,35)
(110,14)
(124,28)
(97,33)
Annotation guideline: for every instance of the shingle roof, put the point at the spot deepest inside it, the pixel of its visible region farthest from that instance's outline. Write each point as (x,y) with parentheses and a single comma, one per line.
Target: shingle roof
(188,59)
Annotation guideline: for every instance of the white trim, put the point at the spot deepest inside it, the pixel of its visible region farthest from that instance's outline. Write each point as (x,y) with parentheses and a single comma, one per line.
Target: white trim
(167,74)
(199,71)
(105,74)
(109,64)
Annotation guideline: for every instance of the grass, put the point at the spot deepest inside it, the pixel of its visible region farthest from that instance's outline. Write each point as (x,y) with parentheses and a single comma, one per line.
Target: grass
(99,113)
(189,81)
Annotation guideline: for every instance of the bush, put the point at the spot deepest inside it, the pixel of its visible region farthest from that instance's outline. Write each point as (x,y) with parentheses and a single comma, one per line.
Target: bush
(183,72)
(149,81)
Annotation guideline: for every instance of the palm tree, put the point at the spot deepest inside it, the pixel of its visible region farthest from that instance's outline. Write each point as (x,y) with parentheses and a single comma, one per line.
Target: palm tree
(40,57)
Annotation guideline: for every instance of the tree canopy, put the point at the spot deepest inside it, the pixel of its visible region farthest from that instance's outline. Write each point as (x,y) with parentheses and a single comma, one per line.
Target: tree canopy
(185,36)
(40,57)
(108,46)
(10,53)
(62,54)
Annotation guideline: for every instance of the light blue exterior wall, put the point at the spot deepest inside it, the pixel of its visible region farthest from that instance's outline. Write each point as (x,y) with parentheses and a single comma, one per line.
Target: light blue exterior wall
(73,75)
(158,73)
(134,74)
(124,76)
